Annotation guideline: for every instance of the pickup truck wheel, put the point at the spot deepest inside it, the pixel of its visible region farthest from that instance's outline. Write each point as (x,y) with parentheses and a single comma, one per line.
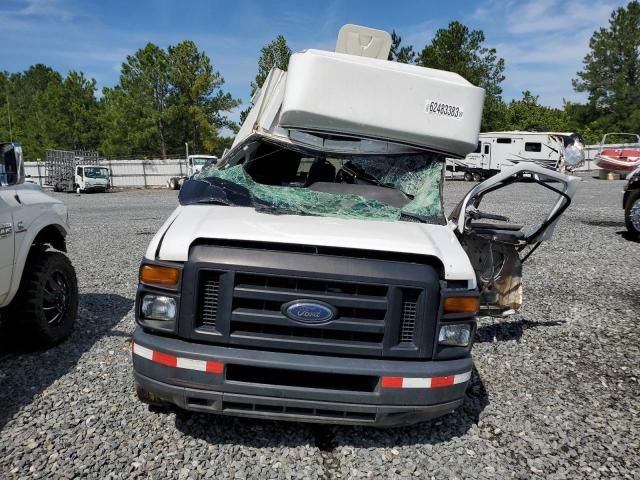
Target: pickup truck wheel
(44,310)
(632,214)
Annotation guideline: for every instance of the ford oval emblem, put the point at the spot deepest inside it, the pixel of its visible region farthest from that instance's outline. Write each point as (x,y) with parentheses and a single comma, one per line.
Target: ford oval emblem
(309,312)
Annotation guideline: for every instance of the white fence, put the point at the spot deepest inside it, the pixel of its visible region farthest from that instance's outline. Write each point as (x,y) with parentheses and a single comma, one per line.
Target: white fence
(127,173)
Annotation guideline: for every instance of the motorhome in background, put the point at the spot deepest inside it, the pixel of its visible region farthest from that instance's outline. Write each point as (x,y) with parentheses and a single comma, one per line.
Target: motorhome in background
(496,150)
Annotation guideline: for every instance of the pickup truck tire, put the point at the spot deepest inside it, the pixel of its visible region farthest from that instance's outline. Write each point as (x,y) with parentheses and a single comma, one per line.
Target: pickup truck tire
(44,310)
(632,214)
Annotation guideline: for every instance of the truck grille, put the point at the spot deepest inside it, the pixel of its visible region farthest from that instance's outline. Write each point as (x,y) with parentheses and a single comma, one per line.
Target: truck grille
(384,308)
(258,299)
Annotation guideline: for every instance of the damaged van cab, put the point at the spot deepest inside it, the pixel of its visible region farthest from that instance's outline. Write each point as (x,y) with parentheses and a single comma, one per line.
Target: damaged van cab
(313,274)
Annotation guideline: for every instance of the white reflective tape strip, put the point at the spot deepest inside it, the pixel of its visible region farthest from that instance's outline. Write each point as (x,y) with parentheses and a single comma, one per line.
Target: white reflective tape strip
(416,383)
(191,364)
(142,351)
(461,378)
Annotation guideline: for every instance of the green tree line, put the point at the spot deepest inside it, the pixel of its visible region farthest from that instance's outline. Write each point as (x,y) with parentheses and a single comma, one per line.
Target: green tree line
(164,99)
(168,97)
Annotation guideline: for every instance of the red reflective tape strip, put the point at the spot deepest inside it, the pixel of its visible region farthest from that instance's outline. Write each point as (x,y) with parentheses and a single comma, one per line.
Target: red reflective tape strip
(164,359)
(177,362)
(442,381)
(215,367)
(391,382)
(425,382)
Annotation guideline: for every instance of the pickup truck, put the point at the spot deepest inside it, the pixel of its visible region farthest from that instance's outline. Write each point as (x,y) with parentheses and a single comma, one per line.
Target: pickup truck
(312,275)
(38,286)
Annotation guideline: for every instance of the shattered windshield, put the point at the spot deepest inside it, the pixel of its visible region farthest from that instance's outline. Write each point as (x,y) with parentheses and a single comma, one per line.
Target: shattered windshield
(273,179)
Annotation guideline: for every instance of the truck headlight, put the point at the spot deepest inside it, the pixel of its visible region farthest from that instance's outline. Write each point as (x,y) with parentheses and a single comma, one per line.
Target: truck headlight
(158,307)
(457,335)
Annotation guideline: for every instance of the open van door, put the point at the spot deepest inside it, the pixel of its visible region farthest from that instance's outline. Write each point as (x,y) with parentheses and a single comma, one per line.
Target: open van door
(496,246)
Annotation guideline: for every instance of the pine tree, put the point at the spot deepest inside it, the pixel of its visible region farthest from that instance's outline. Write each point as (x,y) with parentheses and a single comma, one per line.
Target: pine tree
(460,50)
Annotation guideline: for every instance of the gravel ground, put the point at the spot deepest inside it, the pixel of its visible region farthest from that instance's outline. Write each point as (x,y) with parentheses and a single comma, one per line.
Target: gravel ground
(555,395)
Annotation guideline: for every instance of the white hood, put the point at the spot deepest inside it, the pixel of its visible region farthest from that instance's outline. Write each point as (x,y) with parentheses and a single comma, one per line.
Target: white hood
(188,223)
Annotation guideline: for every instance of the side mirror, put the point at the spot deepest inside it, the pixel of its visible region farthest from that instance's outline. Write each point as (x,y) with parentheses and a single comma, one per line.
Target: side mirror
(11,164)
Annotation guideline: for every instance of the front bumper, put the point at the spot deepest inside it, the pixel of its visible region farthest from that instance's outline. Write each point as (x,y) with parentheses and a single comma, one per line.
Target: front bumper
(298,387)
(95,188)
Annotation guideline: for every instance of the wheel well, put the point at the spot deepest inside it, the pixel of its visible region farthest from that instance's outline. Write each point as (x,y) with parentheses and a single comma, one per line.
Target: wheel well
(52,235)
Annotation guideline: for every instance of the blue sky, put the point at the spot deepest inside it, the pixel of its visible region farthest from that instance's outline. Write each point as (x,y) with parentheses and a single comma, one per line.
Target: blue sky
(542,41)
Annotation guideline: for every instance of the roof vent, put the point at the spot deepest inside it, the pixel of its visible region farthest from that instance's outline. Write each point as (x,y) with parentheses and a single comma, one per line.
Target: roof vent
(364,42)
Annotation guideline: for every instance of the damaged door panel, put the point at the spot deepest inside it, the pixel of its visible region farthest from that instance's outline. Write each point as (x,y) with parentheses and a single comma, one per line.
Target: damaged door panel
(496,247)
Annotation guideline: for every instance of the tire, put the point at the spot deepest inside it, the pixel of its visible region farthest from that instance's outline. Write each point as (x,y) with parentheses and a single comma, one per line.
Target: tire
(477,177)
(173,184)
(632,214)
(44,310)
(468,177)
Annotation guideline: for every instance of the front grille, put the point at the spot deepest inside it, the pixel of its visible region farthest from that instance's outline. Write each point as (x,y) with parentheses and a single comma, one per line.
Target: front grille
(408,315)
(235,297)
(208,299)
(256,312)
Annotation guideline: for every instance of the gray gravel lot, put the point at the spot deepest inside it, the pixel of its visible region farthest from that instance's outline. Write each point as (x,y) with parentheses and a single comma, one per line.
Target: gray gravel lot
(555,395)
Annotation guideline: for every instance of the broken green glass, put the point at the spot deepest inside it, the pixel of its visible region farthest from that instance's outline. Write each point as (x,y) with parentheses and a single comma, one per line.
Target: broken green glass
(415,175)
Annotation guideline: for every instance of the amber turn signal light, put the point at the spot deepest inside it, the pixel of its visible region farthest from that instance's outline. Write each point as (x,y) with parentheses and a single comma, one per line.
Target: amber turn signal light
(160,276)
(469,305)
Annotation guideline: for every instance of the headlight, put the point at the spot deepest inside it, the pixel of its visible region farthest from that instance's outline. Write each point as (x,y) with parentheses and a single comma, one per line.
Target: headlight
(158,307)
(455,335)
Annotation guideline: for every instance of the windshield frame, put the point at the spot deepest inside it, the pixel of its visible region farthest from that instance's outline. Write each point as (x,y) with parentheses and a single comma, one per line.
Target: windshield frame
(104,171)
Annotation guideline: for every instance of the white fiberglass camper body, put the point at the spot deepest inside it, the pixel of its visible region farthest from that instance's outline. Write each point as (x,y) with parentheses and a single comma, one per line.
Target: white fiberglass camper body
(560,151)
(320,236)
